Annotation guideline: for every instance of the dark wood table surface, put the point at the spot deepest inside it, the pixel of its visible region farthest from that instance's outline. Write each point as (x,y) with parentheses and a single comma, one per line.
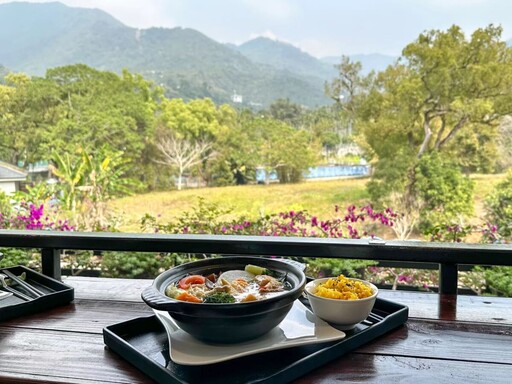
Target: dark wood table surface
(447,339)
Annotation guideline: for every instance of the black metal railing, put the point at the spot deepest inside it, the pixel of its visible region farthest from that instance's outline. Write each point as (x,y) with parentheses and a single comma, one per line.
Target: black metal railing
(447,255)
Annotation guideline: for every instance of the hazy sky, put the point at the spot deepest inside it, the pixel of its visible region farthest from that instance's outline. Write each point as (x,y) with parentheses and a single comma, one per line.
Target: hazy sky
(320,27)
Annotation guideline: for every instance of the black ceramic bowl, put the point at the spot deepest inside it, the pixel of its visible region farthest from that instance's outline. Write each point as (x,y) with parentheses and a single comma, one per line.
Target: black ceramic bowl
(226,323)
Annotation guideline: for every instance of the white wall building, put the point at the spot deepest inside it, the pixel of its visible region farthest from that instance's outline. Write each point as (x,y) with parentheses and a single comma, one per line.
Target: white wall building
(10,178)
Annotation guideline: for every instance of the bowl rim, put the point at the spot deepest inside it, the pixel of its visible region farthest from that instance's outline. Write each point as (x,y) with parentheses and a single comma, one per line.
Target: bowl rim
(157,299)
(318,281)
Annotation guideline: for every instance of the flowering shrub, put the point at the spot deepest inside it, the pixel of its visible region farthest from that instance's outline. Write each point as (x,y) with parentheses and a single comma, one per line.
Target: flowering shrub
(22,215)
(484,233)
(395,277)
(354,223)
(206,218)
(29,216)
(480,280)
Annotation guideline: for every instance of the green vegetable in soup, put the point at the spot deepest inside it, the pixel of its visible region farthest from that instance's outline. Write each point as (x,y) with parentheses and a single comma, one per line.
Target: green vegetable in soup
(173,291)
(254,269)
(257,270)
(219,298)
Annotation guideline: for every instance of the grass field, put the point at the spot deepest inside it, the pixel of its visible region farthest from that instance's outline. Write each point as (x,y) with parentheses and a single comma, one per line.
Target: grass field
(317,197)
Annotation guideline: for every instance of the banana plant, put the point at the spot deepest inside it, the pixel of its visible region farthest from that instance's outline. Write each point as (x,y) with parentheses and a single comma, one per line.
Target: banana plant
(71,173)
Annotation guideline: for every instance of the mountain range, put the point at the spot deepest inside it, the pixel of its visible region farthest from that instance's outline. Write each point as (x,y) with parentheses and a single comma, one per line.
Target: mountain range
(187,63)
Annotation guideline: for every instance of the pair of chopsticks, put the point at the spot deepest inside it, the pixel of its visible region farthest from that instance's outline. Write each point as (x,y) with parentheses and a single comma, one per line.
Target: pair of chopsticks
(34,291)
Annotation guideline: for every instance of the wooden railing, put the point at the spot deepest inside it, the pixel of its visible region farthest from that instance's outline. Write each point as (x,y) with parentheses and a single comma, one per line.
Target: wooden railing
(449,256)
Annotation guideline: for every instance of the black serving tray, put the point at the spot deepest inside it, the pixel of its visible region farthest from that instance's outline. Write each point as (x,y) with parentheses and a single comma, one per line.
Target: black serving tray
(55,294)
(143,342)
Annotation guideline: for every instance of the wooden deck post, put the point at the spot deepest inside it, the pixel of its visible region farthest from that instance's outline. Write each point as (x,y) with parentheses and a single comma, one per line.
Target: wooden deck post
(50,260)
(448,278)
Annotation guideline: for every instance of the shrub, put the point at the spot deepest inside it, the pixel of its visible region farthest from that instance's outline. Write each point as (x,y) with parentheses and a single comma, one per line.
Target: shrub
(18,214)
(498,280)
(493,280)
(445,193)
(138,264)
(499,207)
(18,256)
(354,223)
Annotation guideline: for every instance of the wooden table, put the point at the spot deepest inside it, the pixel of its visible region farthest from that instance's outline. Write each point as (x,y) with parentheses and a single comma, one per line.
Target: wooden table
(449,339)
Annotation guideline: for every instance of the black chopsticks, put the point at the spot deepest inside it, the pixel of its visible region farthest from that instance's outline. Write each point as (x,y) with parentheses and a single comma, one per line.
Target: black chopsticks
(32,290)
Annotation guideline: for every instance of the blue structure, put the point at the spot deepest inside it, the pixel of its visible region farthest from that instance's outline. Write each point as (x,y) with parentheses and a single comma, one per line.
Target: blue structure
(261,175)
(321,172)
(328,171)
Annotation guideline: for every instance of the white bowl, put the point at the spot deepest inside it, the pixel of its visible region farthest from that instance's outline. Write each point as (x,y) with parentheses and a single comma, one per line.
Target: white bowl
(345,314)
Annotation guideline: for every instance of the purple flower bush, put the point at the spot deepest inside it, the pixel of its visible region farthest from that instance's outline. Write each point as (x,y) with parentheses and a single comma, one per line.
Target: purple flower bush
(29,216)
(478,280)
(353,223)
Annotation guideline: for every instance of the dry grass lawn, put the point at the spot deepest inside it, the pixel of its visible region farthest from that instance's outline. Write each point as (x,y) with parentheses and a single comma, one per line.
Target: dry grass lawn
(317,197)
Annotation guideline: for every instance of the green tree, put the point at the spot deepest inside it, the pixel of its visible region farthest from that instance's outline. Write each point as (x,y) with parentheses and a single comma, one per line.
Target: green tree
(285,110)
(27,111)
(188,134)
(237,155)
(331,127)
(101,110)
(87,182)
(447,94)
(282,148)
(443,192)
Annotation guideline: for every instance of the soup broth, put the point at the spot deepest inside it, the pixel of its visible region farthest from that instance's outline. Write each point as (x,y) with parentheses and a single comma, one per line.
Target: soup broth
(254,283)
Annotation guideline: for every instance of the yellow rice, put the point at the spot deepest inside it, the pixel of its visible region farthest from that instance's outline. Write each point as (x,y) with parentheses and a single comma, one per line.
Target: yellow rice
(343,288)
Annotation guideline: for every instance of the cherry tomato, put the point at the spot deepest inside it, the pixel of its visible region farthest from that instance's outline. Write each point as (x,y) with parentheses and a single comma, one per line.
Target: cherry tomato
(192,279)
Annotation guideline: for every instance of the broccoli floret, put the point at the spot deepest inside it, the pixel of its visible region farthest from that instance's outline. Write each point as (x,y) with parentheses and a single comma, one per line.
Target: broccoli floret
(219,298)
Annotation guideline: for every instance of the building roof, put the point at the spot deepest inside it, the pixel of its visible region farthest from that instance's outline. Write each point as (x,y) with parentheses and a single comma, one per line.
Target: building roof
(11,172)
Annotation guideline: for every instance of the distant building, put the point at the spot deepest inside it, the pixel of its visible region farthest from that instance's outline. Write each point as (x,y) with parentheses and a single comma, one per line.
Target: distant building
(11,177)
(236,98)
(38,171)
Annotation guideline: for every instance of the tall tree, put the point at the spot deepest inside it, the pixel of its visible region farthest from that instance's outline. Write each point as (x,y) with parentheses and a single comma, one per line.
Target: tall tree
(188,133)
(446,90)
(27,112)
(103,111)
(282,148)
(347,88)
(182,153)
(285,110)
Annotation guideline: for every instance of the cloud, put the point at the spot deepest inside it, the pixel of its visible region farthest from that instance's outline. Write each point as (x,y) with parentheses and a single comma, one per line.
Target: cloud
(155,13)
(272,36)
(319,48)
(457,3)
(273,9)
(268,34)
